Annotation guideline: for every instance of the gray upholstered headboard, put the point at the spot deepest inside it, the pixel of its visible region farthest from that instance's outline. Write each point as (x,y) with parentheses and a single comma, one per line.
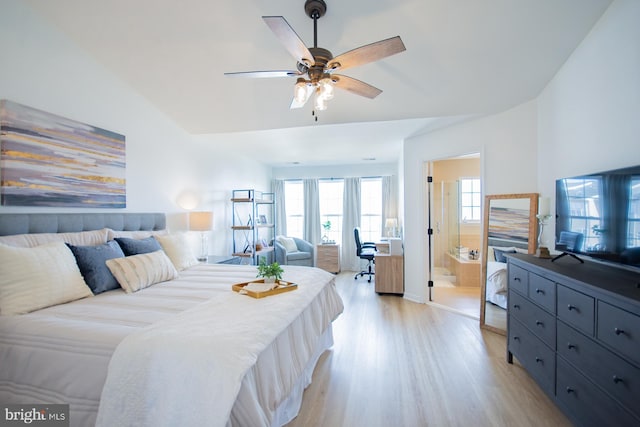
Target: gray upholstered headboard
(23,223)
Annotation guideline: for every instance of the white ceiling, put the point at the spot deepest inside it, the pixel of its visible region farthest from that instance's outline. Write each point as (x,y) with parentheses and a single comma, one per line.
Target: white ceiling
(463,58)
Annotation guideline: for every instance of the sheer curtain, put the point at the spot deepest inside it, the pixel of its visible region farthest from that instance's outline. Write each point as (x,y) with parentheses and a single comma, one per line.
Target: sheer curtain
(350,219)
(281,212)
(312,226)
(389,201)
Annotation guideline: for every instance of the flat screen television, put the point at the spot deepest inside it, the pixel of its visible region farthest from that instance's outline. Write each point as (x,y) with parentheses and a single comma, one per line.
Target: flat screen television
(598,215)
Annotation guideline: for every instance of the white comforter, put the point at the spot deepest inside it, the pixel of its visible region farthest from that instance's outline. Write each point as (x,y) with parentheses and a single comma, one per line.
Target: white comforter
(181,347)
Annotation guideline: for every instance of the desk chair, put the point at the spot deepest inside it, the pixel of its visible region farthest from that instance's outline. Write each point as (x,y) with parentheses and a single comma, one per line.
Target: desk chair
(367,251)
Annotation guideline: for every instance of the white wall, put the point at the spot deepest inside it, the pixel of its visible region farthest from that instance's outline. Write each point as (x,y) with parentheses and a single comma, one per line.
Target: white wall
(507,144)
(42,68)
(587,119)
(589,114)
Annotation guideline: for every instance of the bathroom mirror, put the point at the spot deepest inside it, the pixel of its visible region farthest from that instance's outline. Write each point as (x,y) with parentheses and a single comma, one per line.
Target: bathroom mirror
(509,226)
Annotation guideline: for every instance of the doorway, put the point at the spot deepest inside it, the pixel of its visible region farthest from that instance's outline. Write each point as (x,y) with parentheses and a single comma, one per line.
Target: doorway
(455,209)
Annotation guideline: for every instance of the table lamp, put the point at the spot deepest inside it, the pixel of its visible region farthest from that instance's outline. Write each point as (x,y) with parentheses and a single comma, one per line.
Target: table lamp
(202,222)
(391,224)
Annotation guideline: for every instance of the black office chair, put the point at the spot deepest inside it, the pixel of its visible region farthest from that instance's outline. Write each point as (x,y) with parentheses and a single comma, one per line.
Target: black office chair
(365,250)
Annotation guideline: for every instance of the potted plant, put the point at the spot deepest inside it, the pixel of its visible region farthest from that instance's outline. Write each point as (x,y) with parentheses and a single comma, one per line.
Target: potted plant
(270,272)
(327,228)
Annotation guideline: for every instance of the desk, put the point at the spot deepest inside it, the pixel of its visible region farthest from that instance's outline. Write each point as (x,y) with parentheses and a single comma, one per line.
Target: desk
(382,247)
(389,273)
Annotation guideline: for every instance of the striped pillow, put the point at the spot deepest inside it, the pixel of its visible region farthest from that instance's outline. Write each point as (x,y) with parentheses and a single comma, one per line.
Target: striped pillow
(141,271)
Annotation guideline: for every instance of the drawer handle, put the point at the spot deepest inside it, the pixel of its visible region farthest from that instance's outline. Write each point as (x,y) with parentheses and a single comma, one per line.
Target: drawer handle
(572,307)
(617,379)
(538,360)
(618,331)
(516,306)
(539,291)
(516,338)
(570,390)
(539,323)
(517,279)
(570,346)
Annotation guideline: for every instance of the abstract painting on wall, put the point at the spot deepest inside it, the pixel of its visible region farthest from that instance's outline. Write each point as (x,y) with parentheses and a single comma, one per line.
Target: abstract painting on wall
(47,160)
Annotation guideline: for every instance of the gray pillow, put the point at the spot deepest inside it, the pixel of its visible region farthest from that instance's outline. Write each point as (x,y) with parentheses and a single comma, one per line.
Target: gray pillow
(138,246)
(499,254)
(91,261)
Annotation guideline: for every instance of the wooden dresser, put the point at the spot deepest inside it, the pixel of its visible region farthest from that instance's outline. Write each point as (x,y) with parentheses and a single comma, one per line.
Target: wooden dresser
(576,329)
(328,257)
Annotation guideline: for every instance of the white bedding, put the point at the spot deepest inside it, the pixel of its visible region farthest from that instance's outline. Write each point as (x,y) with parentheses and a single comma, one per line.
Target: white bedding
(61,354)
(497,281)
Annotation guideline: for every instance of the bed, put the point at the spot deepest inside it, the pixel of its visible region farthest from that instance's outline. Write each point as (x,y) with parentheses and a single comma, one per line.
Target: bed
(497,280)
(185,351)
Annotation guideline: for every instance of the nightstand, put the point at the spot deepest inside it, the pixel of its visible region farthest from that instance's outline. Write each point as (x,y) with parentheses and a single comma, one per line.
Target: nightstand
(328,257)
(223,259)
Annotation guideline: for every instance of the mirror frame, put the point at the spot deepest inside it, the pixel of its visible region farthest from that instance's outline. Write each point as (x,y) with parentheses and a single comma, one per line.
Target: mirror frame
(531,246)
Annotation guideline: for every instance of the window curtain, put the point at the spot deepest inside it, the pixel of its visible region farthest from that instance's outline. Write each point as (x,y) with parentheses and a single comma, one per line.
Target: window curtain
(281,212)
(351,218)
(312,226)
(389,202)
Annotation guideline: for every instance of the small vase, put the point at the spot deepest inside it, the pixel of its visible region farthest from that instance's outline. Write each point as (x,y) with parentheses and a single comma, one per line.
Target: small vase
(269,280)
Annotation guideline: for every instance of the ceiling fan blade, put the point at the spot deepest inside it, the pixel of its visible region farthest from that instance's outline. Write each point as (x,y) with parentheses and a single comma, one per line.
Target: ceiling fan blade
(297,104)
(368,53)
(355,86)
(289,39)
(264,74)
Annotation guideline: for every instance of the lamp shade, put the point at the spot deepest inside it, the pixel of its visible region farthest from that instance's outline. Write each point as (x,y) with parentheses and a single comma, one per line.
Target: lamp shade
(391,222)
(200,221)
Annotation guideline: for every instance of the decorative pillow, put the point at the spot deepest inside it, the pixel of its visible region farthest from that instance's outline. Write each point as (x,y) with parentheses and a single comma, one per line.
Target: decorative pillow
(141,271)
(93,267)
(499,253)
(288,243)
(81,238)
(34,278)
(177,248)
(138,246)
(138,234)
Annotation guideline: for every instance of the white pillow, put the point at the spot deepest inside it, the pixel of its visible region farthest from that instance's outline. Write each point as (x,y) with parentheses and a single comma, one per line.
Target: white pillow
(288,243)
(141,271)
(34,278)
(81,238)
(177,248)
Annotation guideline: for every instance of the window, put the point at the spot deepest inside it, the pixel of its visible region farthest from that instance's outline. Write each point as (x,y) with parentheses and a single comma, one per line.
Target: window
(633,233)
(331,207)
(470,200)
(294,206)
(371,209)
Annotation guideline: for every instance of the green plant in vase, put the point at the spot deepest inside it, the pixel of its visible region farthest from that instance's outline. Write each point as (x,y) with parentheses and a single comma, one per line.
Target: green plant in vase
(270,272)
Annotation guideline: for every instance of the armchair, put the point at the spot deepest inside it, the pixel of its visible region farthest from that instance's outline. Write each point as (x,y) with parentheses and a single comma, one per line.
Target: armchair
(293,251)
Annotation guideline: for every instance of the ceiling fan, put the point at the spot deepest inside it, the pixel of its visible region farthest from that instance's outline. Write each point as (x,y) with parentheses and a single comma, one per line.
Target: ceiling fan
(315,65)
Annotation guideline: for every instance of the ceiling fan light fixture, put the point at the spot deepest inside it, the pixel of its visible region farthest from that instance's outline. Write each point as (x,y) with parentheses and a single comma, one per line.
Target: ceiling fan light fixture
(300,90)
(320,101)
(326,88)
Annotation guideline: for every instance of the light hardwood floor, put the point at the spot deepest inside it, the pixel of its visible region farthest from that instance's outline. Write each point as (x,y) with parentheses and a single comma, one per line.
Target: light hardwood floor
(399,363)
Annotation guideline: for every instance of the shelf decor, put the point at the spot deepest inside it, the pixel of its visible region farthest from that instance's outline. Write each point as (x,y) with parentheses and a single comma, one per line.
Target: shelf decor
(48,160)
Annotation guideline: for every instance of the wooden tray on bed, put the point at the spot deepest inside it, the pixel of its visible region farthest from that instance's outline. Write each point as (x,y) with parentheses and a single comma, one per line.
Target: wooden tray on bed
(282,287)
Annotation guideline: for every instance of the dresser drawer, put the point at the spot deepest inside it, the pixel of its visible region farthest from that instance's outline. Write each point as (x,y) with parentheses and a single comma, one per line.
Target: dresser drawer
(589,405)
(518,279)
(616,376)
(534,318)
(576,309)
(619,329)
(543,292)
(538,359)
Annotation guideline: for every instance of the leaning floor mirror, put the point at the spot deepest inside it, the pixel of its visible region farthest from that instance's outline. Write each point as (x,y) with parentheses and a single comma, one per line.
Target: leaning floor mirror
(509,226)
